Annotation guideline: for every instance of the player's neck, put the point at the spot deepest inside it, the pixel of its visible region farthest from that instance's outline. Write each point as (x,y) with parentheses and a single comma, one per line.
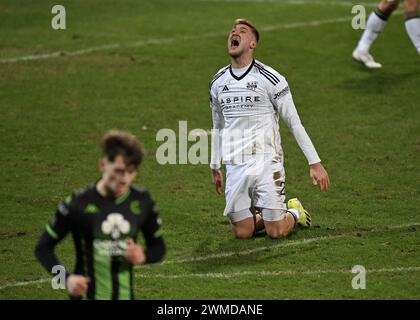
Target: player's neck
(242,61)
(104,191)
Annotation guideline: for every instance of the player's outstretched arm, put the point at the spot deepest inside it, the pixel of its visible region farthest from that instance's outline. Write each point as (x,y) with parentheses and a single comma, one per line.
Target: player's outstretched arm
(287,110)
(319,176)
(216,143)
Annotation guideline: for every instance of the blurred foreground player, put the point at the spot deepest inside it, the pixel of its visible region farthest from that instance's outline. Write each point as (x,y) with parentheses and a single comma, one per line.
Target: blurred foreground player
(247,98)
(105,220)
(377,21)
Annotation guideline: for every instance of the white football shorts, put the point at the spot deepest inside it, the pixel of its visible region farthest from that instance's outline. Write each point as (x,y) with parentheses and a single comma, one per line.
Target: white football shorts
(256,183)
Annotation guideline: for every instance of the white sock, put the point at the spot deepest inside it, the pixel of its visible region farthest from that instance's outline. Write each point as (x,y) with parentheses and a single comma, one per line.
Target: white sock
(413,29)
(295,213)
(373,27)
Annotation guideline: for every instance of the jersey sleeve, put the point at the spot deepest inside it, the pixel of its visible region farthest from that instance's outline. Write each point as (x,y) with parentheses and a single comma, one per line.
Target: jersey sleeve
(155,246)
(58,227)
(281,97)
(55,231)
(216,132)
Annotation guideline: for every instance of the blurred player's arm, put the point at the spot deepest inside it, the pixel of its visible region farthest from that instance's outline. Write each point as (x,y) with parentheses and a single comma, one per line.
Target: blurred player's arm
(216,142)
(155,246)
(283,101)
(54,232)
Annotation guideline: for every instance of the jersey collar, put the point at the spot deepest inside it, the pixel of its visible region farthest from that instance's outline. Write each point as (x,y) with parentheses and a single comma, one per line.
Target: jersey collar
(245,73)
(117,200)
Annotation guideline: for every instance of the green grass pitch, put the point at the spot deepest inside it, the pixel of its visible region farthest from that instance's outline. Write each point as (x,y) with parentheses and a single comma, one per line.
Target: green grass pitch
(149,68)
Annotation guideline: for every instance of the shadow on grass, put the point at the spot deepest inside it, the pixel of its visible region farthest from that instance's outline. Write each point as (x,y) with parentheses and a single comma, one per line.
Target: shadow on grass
(259,247)
(256,260)
(259,250)
(379,81)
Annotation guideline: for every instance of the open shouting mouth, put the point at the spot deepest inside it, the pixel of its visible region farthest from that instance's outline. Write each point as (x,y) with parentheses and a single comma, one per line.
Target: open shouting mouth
(234,43)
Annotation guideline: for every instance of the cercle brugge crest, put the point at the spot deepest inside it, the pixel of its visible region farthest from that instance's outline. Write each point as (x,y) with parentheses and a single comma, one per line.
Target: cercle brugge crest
(252,85)
(115,225)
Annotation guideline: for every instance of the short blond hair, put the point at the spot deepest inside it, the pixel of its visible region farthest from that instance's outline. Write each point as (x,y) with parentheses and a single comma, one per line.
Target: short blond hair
(250,25)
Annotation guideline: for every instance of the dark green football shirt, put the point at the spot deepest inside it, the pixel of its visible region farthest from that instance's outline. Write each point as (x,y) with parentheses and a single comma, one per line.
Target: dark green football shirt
(100,228)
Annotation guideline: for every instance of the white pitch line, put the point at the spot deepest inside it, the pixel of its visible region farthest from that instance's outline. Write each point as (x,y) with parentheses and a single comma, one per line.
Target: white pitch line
(285,243)
(228,254)
(137,44)
(225,275)
(25,283)
(302,2)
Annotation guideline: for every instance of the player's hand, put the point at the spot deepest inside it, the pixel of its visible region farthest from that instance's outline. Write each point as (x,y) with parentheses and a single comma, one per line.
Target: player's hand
(77,285)
(319,176)
(134,253)
(217,177)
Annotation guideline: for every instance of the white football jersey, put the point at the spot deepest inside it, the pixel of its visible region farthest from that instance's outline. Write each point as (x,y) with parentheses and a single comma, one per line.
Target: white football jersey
(246,112)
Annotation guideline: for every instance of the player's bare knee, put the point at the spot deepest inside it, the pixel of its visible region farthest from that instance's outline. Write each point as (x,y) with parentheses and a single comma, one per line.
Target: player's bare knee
(387,7)
(277,232)
(411,8)
(277,229)
(243,229)
(243,233)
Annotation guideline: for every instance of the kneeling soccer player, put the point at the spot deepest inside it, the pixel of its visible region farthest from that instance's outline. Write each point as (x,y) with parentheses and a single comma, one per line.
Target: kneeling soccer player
(247,98)
(105,220)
